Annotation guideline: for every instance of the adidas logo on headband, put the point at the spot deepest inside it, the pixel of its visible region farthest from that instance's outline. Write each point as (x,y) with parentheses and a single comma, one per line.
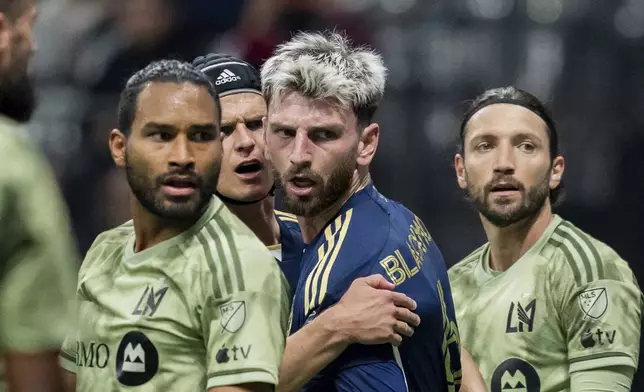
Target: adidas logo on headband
(226,76)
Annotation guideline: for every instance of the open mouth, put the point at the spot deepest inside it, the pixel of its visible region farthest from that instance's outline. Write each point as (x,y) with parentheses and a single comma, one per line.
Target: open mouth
(179,186)
(504,187)
(249,167)
(302,182)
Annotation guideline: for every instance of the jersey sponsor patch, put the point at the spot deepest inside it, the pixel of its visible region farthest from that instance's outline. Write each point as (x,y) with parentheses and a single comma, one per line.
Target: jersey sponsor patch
(137,360)
(593,302)
(233,316)
(515,375)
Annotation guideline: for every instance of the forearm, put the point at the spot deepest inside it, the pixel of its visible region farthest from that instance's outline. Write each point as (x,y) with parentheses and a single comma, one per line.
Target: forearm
(610,379)
(310,350)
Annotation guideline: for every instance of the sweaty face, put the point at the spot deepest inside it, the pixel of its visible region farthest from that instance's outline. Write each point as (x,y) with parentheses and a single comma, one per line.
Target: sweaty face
(506,167)
(245,173)
(173,154)
(17,96)
(313,148)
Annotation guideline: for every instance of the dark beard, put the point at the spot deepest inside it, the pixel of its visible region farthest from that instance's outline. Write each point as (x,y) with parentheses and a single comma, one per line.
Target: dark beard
(17,97)
(149,194)
(337,186)
(531,203)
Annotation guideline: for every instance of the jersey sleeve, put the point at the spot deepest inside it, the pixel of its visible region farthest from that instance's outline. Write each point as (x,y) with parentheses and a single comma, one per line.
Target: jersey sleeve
(245,331)
(600,317)
(38,259)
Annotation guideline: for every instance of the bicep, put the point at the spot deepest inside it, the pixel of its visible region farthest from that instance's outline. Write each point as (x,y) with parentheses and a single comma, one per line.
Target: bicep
(37,371)
(384,376)
(69,381)
(250,387)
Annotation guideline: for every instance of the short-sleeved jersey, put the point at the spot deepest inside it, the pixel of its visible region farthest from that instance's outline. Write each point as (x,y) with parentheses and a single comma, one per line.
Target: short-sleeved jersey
(206,308)
(569,304)
(38,259)
(289,252)
(374,235)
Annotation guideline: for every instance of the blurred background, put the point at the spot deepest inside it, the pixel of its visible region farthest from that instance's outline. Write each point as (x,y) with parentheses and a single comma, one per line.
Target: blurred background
(583,57)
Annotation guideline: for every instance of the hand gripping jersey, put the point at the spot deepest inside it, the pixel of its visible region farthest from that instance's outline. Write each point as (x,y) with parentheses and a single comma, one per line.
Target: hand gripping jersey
(206,308)
(38,260)
(569,304)
(374,235)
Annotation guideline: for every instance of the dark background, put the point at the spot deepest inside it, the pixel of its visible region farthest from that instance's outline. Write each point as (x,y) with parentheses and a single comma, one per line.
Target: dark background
(583,57)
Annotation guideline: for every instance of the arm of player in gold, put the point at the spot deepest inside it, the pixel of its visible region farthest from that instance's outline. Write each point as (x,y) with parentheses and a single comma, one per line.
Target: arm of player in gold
(368,313)
(251,387)
(612,378)
(472,380)
(42,368)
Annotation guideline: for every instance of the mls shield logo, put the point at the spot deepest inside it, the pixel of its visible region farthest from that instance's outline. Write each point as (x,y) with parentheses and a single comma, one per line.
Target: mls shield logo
(233,316)
(593,303)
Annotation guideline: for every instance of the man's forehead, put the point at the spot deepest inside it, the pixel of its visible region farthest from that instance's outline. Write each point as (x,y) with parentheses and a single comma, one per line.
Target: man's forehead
(171,102)
(505,119)
(244,105)
(300,110)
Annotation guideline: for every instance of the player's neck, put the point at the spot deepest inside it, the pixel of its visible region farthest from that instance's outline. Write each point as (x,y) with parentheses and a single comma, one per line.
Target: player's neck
(150,229)
(311,226)
(260,218)
(508,244)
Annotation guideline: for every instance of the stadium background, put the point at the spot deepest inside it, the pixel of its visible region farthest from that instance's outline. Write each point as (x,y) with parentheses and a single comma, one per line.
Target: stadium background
(583,57)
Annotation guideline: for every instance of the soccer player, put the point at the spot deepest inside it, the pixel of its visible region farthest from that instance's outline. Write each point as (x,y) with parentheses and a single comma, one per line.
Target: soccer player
(184,297)
(322,94)
(245,185)
(542,306)
(39,259)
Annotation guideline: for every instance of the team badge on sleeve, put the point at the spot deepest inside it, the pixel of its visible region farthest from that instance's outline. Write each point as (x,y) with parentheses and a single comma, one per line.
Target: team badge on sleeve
(593,303)
(233,315)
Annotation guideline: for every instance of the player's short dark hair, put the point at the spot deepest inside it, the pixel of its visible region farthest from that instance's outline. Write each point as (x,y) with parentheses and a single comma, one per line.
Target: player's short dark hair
(515,96)
(163,71)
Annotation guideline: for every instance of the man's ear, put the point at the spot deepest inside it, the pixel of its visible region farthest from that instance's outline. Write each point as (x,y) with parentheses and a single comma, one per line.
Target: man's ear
(368,144)
(461,174)
(556,174)
(118,143)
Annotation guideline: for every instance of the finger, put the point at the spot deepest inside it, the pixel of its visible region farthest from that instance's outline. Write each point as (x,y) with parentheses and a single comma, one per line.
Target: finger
(407,316)
(403,300)
(403,329)
(378,282)
(395,339)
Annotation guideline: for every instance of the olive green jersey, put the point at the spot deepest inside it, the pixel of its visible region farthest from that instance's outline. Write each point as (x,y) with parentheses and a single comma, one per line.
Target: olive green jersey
(206,308)
(38,260)
(569,304)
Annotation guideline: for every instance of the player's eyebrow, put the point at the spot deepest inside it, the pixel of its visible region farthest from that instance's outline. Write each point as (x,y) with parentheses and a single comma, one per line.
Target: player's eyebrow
(247,119)
(335,128)
(209,127)
(154,126)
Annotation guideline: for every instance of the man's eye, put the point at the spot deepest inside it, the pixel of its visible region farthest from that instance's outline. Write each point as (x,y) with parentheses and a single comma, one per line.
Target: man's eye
(160,136)
(254,125)
(203,136)
(227,130)
(484,146)
(527,147)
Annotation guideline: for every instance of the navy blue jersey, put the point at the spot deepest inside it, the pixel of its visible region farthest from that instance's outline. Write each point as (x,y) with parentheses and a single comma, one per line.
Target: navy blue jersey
(289,252)
(372,234)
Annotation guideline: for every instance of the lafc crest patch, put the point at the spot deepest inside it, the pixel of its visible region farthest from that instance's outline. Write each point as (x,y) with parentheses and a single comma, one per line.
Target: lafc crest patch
(233,315)
(593,302)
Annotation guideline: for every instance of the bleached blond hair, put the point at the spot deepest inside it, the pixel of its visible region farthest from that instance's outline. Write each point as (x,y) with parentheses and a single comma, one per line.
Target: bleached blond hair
(326,66)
